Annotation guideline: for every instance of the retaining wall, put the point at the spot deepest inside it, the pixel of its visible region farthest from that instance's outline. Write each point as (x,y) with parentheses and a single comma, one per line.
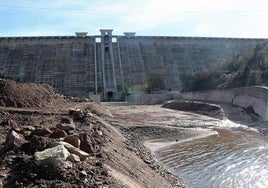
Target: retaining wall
(151,98)
(256,97)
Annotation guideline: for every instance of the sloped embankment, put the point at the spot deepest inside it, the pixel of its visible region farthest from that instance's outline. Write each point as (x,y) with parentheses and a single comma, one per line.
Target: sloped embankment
(66,145)
(28,95)
(202,108)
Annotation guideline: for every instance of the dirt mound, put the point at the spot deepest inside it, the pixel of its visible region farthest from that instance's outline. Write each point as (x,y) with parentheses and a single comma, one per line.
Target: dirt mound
(196,107)
(27,95)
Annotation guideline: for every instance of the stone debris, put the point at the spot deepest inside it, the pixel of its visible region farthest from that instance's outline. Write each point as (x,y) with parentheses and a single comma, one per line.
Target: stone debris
(14,139)
(38,143)
(73,140)
(28,157)
(29,128)
(87,143)
(55,156)
(66,127)
(82,155)
(67,124)
(56,149)
(41,132)
(58,134)
(100,133)
(66,120)
(77,114)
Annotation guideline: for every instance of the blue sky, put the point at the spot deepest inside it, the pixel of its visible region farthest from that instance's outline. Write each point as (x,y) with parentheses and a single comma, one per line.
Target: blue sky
(207,18)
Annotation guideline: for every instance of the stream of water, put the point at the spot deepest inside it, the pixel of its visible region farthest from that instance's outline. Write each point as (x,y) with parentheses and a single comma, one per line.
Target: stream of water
(235,157)
(217,154)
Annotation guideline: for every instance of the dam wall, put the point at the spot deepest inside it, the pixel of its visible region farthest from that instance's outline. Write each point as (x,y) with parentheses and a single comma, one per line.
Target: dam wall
(115,66)
(66,63)
(159,63)
(255,97)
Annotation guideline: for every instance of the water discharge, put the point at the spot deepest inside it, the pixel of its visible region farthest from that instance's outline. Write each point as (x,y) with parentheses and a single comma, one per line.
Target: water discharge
(211,153)
(235,157)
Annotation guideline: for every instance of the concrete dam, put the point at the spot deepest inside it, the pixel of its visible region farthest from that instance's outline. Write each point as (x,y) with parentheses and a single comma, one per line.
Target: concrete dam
(114,66)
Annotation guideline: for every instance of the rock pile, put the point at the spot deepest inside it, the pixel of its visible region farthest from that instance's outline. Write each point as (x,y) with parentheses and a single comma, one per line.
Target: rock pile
(72,145)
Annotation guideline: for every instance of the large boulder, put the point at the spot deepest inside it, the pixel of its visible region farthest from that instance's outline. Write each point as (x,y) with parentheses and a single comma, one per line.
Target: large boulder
(55,156)
(73,150)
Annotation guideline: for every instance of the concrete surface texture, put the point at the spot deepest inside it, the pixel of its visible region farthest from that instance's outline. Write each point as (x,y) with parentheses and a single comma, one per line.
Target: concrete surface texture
(248,97)
(114,67)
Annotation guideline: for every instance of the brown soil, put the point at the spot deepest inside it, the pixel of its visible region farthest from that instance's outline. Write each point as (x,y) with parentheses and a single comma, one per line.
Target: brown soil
(28,95)
(18,168)
(118,160)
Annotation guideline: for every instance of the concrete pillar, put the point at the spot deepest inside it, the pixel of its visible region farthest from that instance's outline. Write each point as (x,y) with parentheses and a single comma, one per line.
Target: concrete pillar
(96,70)
(108,66)
(120,66)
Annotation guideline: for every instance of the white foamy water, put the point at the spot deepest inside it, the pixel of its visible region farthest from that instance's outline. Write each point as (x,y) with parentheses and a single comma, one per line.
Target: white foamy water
(226,123)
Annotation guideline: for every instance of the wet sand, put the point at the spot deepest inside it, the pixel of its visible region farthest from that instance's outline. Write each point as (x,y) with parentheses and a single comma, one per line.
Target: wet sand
(149,128)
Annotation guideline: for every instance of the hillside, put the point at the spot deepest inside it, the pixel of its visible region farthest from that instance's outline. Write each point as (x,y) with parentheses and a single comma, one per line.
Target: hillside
(244,70)
(49,141)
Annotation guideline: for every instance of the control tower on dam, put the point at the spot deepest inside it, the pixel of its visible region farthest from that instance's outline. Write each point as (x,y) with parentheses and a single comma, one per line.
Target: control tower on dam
(115,66)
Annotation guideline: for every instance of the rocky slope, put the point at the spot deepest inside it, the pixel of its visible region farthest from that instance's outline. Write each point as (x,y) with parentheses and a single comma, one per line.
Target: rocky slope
(51,149)
(52,142)
(244,70)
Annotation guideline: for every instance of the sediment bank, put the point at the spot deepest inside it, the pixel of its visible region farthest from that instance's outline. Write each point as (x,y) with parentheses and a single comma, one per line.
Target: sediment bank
(150,127)
(118,134)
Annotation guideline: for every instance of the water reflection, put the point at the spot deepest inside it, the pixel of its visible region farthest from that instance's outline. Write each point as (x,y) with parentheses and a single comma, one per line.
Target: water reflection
(234,158)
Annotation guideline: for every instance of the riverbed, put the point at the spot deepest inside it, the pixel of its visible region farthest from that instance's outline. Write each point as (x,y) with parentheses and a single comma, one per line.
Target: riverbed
(220,153)
(234,157)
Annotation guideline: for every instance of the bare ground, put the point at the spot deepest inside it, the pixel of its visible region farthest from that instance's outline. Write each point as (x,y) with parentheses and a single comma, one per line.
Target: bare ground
(154,126)
(114,160)
(143,123)
(124,161)
(120,160)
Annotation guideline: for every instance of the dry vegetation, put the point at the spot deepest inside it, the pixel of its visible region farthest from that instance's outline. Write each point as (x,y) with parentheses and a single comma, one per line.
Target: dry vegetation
(244,70)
